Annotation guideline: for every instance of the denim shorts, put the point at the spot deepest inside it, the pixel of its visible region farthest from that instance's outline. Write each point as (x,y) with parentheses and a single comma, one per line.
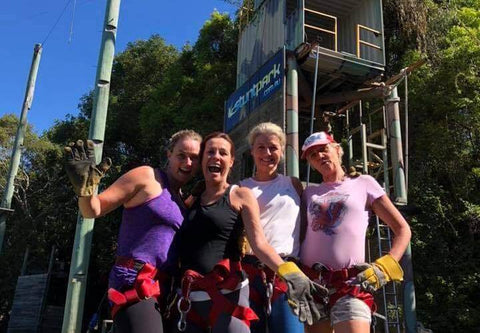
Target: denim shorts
(350,308)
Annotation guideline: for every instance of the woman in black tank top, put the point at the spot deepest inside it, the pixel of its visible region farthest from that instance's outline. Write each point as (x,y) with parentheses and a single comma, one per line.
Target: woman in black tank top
(217,219)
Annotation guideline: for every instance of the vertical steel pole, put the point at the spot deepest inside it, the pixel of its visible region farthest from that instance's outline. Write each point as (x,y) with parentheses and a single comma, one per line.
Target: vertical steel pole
(400,198)
(409,304)
(292,118)
(17,146)
(312,113)
(77,281)
(395,136)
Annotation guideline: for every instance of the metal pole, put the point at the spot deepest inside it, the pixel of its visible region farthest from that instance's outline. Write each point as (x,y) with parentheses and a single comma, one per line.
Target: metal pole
(312,113)
(400,199)
(406,133)
(17,146)
(25,261)
(292,118)
(409,303)
(77,280)
(395,136)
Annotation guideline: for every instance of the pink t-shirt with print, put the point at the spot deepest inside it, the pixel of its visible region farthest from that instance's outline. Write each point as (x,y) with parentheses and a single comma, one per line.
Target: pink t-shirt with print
(337,214)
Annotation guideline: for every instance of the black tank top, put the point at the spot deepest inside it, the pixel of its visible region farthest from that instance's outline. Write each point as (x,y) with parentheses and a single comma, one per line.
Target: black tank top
(209,234)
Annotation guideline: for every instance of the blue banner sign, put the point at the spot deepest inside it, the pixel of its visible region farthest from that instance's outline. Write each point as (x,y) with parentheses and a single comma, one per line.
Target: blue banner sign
(267,80)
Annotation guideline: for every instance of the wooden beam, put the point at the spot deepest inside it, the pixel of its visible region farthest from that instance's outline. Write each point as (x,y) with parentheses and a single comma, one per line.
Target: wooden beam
(347,96)
(406,70)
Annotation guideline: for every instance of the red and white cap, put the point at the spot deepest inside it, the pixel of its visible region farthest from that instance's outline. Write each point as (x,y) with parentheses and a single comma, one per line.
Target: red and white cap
(316,139)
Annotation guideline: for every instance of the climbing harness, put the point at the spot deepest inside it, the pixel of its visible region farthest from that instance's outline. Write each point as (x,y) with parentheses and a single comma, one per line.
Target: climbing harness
(225,277)
(147,284)
(273,284)
(338,283)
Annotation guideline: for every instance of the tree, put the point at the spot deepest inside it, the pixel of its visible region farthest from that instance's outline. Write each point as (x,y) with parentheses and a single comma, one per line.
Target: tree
(197,84)
(445,134)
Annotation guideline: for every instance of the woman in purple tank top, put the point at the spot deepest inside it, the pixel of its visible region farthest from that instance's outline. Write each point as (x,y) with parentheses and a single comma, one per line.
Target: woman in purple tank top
(153,212)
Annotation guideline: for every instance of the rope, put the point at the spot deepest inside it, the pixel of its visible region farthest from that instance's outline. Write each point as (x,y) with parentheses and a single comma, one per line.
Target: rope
(71,24)
(58,20)
(406,132)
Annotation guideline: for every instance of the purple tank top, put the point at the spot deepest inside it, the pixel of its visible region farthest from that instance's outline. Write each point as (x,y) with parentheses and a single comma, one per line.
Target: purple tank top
(146,233)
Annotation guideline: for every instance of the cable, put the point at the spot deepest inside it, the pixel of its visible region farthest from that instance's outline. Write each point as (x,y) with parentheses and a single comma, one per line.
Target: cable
(58,20)
(71,25)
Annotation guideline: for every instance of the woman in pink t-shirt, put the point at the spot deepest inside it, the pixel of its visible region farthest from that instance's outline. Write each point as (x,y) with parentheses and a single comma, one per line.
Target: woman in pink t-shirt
(333,250)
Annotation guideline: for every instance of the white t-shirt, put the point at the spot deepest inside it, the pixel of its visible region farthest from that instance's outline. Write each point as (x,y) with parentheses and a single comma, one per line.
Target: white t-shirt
(279,213)
(337,215)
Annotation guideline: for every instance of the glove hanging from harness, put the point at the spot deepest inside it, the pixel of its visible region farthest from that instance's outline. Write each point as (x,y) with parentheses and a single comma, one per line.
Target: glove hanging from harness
(304,296)
(81,169)
(376,275)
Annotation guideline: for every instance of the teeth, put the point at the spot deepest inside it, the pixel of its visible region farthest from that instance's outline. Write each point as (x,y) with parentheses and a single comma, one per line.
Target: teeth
(214,168)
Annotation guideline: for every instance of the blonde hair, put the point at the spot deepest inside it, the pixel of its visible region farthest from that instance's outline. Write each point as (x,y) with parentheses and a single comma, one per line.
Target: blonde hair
(340,150)
(183,134)
(267,128)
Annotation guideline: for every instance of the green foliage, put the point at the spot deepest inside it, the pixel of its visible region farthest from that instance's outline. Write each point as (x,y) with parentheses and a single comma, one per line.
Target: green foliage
(444,164)
(196,86)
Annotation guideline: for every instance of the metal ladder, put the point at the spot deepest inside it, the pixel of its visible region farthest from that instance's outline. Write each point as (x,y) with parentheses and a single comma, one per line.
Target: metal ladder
(373,160)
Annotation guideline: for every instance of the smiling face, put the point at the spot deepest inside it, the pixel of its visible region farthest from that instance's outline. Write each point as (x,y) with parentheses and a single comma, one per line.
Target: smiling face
(324,158)
(267,152)
(217,159)
(183,160)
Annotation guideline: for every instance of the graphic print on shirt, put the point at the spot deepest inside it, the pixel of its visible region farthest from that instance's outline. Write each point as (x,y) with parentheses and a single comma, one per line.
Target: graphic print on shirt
(326,212)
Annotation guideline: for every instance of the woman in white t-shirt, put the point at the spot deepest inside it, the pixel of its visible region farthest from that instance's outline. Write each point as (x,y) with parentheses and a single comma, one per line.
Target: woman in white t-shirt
(337,212)
(278,197)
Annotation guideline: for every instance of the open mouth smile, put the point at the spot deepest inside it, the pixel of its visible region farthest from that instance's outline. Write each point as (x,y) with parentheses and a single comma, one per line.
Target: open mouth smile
(214,168)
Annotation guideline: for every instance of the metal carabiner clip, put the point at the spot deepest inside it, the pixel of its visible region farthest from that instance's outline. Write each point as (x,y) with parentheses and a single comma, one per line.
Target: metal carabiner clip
(182,322)
(269,293)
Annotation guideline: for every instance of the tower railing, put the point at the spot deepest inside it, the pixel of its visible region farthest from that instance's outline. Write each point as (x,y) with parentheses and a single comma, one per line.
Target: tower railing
(361,42)
(333,32)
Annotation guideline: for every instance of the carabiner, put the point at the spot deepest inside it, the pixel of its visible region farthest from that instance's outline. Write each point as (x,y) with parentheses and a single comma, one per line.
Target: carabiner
(269,293)
(182,322)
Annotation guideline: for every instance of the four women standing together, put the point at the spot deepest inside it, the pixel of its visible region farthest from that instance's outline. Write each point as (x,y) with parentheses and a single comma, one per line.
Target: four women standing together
(214,293)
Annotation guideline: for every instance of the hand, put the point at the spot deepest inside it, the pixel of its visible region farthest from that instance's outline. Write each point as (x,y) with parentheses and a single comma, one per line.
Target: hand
(379,273)
(81,169)
(305,297)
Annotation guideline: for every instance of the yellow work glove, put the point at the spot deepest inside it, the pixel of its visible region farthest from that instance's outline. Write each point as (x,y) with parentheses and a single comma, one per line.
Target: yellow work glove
(81,168)
(379,273)
(304,296)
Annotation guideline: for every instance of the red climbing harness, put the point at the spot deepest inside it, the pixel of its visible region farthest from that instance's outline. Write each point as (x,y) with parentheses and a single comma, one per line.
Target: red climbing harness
(225,275)
(147,284)
(273,284)
(338,281)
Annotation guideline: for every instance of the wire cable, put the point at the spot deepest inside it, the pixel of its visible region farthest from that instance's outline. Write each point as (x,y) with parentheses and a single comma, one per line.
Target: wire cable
(58,20)
(71,24)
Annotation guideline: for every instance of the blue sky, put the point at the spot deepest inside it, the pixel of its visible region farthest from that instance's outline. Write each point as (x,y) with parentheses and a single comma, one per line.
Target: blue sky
(67,68)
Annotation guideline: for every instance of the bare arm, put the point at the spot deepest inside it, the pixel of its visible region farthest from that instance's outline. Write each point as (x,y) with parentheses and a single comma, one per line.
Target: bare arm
(388,213)
(243,200)
(128,189)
